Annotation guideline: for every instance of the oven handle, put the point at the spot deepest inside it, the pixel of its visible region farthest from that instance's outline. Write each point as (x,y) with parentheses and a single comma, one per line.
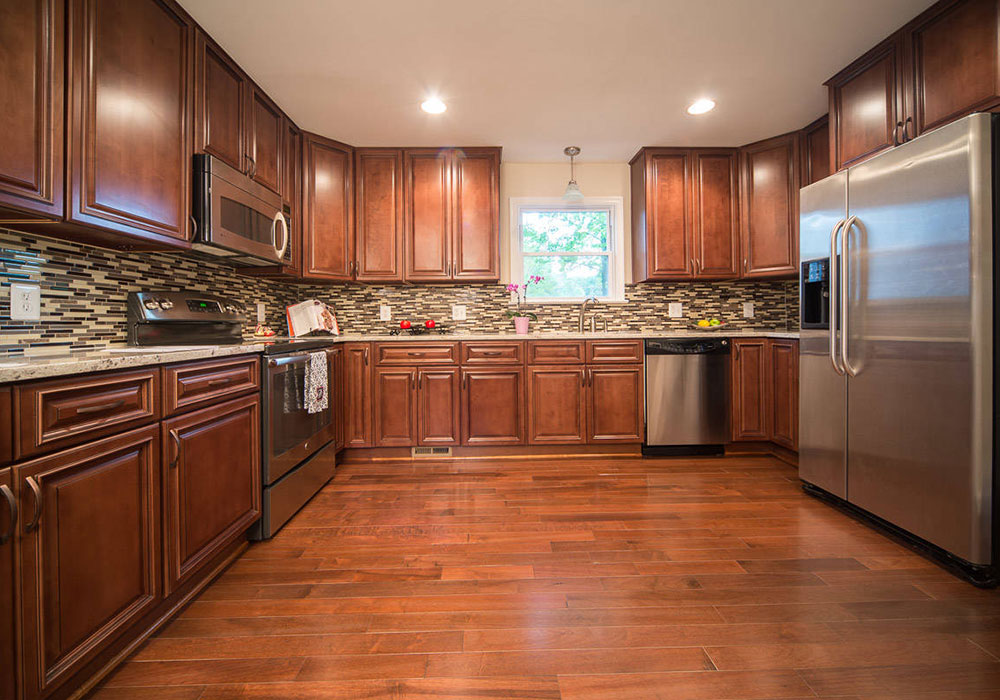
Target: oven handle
(280,218)
(287,359)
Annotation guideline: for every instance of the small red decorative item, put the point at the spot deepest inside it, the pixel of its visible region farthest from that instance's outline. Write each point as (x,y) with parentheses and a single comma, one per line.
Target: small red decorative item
(429,323)
(404,324)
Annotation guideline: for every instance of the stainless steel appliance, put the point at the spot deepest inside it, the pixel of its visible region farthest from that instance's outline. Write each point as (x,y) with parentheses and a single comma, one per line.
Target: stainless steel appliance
(687,396)
(236,219)
(897,341)
(298,455)
(182,318)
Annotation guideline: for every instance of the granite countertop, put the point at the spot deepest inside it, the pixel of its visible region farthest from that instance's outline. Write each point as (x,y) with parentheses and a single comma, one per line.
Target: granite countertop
(19,368)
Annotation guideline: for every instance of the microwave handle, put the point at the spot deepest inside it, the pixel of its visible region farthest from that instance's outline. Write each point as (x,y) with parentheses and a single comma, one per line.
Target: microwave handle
(280,218)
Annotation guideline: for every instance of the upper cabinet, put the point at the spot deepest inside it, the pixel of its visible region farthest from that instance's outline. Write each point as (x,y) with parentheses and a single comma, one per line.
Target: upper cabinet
(941,66)
(452,214)
(685,214)
(327,209)
(814,151)
(769,196)
(379,209)
(129,118)
(264,140)
(32,34)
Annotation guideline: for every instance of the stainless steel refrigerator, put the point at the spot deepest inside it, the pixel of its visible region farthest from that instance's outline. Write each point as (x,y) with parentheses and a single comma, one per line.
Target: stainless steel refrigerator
(897,334)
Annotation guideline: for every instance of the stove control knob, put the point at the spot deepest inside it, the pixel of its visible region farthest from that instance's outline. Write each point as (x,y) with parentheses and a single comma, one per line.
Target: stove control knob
(151,304)
(166,304)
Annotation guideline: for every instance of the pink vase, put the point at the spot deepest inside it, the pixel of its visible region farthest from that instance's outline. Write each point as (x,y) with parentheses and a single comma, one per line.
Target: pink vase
(521,325)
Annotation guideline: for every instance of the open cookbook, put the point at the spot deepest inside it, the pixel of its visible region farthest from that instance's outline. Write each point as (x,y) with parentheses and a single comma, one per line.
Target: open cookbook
(309,316)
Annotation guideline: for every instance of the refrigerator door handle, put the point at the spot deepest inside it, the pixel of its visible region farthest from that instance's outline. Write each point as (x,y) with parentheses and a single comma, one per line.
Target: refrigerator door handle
(845,265)
(834,298)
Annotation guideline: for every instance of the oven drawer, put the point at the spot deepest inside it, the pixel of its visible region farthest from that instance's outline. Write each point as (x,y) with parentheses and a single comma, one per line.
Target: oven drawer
(192,384)
(485,352)
(59,413)
(409,354)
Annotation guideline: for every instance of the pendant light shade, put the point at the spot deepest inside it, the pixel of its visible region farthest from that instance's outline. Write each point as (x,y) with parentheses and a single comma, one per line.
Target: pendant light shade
(572,193)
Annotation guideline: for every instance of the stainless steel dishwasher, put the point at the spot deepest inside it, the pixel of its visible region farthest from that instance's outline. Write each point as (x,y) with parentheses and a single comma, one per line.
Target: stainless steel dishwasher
(687,396)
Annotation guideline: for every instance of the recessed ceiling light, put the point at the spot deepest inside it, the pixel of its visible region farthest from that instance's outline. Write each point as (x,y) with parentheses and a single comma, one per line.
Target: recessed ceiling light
(701,106)
(433,105)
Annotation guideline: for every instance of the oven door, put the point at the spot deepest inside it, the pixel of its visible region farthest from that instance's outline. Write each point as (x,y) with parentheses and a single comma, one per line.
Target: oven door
(290,432)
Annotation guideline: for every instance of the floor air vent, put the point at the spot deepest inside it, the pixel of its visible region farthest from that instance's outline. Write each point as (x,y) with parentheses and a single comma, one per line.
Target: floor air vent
(426,452)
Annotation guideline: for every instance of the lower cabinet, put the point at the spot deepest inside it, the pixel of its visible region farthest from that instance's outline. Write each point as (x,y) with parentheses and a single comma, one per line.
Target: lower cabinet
(8,632)
(438,406)
(765,391)
(357,400)
(335,357)
(492,406)
(90,551)
(211,464)
(785,393)
(395,406)
(615,404)
(557,405)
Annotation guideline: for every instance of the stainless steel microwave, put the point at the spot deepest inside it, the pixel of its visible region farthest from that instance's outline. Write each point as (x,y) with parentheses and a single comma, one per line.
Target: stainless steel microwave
(236,219)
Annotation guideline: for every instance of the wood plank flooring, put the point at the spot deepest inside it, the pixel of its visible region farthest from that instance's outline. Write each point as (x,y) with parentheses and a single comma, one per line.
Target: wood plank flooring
(687,579)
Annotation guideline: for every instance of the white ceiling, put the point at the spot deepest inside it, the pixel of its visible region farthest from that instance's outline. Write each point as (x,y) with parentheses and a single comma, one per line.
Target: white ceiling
(534,76)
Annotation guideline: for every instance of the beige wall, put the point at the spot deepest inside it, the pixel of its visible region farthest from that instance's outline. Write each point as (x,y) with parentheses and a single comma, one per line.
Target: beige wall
(549,180)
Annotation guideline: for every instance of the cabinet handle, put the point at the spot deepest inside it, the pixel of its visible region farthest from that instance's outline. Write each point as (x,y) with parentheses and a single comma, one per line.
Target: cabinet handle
(84,410)
(492,353)
(221,382)
(37,494)
(366,357)
(177,447)
(895,133)
(414,353)
(465,378)
(746,263)
(906,129)
(413,382)
(194,227)
(8,496)
(252,168)
(420,380)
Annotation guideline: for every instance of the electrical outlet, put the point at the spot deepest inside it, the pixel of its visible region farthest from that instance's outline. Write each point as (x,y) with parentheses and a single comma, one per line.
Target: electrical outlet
(25,302)
(261,312)
(675,309)
(458,312)
(748,309)
(384,312)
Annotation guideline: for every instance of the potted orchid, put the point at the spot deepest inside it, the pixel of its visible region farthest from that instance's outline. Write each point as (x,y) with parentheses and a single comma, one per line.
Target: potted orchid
(520,316)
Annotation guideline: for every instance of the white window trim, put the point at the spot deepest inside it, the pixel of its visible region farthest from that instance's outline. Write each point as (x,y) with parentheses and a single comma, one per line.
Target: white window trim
(616,222)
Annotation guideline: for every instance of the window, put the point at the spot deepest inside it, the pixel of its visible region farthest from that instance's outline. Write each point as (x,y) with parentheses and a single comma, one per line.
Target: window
(576,248)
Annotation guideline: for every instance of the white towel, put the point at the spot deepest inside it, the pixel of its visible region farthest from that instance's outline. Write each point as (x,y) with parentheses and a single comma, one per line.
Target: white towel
(317,394)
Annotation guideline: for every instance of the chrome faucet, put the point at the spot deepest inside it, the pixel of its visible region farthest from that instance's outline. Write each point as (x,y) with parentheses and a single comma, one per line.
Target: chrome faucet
(583,311)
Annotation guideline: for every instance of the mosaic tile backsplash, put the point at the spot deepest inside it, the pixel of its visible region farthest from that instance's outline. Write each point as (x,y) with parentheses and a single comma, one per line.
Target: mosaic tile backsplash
(84,290)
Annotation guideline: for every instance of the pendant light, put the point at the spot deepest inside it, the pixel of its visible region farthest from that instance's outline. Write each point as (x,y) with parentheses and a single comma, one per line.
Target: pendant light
(572,193)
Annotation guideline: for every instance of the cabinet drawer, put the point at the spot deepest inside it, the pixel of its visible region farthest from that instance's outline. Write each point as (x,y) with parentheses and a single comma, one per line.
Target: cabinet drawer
(493,353)
(200,383)
(556,352)
(432,353)
(616,351)
(61,412)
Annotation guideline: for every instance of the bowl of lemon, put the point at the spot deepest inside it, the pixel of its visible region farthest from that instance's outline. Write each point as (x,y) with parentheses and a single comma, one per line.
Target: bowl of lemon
(709,324)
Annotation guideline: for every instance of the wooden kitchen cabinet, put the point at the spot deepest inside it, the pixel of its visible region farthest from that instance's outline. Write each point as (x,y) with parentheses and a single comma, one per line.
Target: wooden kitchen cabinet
(493,406)
(129,107)
(615,404)
(328,209)
(557,405)
(750,402)
(451,218)
(221,98)
(32,34)
(395,406)
(814,151)
(438,406)
(379,211)
(212,490)
(784,393)
(8,626)
(90,552)
(265,140)
(357,406)
(685,214)
(769,197)
(335,367)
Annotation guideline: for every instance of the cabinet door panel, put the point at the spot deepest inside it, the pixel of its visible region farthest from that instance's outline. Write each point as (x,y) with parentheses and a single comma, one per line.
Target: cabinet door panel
(427,218)
(770,207)
(815,152)
(328,224)
(716,232)
(785,393)
(211,463)
(438,406)
(616,405)
(129,130)
(493,406)
(557,412)
(91,566)
(335,367)
(956,67)
(395,407)
(379,210)
(220,104)
(476,183)
(668,208)
(266,140)
(357,395)
(32,33)
(8,535)
(750,387)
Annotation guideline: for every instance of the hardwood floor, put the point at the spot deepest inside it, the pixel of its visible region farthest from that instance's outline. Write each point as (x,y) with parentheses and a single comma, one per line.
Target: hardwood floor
(687,579)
